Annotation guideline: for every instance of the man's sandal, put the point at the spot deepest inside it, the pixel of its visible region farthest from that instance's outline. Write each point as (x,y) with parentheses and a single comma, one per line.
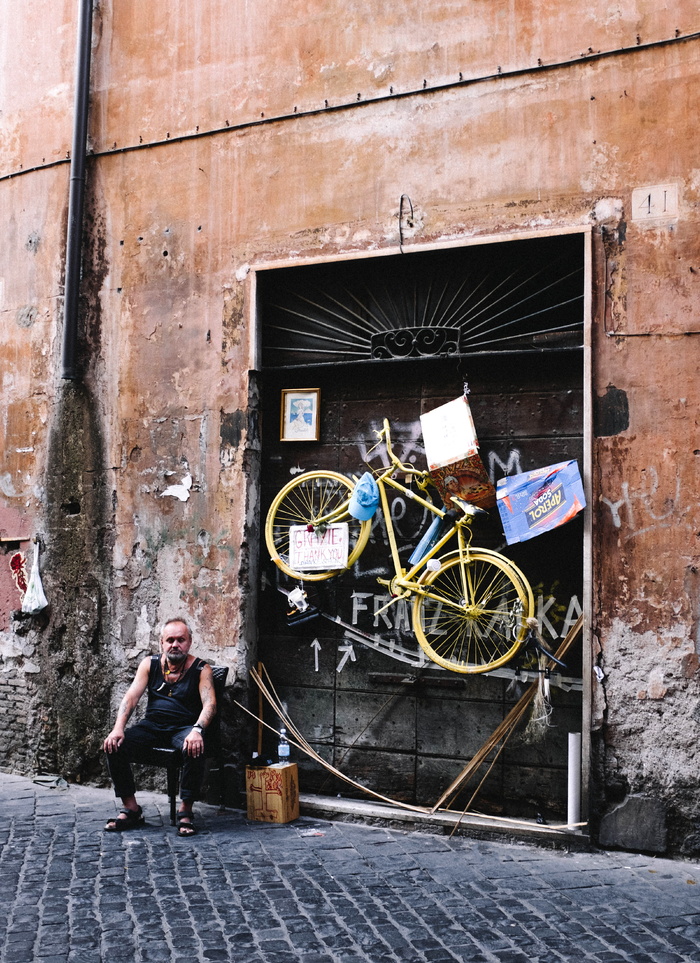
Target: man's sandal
(132,819)
(186,828)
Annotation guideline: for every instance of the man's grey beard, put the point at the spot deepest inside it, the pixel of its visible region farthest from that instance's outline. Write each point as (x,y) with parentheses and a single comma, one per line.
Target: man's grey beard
(175,657)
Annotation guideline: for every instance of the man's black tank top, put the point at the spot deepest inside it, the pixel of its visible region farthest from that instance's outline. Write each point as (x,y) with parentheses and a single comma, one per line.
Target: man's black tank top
(174,705)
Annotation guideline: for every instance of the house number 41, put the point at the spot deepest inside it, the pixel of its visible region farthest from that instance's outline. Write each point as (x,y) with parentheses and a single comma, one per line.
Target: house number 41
(655,203)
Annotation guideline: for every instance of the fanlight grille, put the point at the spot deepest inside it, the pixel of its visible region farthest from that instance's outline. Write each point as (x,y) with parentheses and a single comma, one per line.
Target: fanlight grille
(495,297)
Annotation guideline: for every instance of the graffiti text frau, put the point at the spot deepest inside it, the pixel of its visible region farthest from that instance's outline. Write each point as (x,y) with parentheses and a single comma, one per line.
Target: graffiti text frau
(372,607)
(649,506)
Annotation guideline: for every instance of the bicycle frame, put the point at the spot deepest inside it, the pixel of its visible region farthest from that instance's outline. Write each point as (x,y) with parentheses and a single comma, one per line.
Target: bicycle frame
(469,606)
(404,579)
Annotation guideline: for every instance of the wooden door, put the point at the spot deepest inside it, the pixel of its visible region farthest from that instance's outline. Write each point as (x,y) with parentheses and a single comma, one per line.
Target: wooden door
(360,688)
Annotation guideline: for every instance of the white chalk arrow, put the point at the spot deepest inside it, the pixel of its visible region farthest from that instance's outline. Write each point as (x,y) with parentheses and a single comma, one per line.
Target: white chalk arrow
(349,654)
(316,646)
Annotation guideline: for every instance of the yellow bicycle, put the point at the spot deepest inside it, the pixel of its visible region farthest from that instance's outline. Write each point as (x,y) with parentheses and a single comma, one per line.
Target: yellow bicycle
(470,605)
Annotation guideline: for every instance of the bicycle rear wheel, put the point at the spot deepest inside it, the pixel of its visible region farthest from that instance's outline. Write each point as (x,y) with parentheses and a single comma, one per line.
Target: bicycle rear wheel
(313,498)
(473,619)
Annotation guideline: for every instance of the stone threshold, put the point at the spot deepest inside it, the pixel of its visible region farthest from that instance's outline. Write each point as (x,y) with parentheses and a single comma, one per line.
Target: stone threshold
(444,823)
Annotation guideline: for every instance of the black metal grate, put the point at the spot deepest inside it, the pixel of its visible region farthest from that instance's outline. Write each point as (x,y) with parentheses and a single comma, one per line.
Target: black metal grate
(460,301)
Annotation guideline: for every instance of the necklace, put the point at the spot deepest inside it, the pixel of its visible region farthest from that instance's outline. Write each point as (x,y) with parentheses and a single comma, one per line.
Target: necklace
(173,676)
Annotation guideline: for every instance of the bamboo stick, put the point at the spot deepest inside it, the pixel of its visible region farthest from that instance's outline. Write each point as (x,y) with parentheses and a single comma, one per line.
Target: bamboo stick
(500,734)
(260,714)
(506,727)
(299,742)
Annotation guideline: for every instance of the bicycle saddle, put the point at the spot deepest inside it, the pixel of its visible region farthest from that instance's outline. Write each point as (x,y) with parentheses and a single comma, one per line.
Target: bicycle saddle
(467,507)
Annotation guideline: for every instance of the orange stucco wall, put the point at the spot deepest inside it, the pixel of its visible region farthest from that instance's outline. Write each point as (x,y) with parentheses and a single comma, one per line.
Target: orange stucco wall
(226,136)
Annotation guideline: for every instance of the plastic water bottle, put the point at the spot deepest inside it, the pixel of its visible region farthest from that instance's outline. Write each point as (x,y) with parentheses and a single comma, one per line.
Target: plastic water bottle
(283,748)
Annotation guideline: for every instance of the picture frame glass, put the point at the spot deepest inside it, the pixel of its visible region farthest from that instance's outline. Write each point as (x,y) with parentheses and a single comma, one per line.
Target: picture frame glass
(300,409)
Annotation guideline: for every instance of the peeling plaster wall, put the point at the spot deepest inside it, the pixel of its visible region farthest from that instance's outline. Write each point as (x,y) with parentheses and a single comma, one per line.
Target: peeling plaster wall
(33,216)
(647,711)
(226,137)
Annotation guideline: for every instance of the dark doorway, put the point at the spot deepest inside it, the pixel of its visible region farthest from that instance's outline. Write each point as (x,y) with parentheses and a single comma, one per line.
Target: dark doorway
(392,337)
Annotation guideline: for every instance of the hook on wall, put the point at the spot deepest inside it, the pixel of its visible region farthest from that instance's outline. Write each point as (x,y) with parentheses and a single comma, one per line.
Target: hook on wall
(464,378)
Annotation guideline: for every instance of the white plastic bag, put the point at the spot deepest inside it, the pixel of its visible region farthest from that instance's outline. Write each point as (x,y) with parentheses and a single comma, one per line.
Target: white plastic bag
(34,599)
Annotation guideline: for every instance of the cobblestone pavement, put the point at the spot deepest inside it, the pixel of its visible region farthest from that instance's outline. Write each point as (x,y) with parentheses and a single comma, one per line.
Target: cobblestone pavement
(318,892)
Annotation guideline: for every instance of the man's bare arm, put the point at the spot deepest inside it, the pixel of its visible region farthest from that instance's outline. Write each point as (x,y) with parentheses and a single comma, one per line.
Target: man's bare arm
(194,743)
(207,694)
(127,706)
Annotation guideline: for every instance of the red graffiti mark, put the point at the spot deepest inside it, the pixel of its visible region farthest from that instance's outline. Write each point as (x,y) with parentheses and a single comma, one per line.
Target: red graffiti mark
(18,567)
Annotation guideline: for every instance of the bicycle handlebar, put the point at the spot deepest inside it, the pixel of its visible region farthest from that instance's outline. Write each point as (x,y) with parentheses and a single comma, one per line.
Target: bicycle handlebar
(385,434)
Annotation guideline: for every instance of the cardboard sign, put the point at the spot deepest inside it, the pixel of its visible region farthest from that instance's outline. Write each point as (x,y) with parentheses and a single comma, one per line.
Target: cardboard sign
(318,551)
(540,500)
(468,479)
(449,433)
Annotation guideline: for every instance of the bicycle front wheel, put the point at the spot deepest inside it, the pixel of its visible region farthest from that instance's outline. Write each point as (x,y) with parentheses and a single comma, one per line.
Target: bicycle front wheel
(472,618)
(317,497)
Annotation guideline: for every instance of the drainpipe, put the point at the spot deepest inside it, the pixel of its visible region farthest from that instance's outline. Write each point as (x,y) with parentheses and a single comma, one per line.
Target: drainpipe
(77,192)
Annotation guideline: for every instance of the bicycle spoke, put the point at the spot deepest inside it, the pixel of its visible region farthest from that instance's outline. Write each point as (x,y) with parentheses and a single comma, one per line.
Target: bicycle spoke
(465,618)
(315,498)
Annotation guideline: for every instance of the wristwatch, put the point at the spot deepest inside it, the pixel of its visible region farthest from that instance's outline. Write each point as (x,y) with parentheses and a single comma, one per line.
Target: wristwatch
(197,726)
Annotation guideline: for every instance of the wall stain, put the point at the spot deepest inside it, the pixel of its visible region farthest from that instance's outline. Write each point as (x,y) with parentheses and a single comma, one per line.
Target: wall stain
(611,412)
(75,704)
(616,278)
(232,320)
(231,429)
(71,699)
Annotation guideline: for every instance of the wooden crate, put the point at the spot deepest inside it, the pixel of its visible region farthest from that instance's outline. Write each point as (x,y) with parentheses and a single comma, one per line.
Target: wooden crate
(272,793)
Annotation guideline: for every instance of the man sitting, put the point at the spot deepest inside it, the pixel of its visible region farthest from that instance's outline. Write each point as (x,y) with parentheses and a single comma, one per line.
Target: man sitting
(181,704)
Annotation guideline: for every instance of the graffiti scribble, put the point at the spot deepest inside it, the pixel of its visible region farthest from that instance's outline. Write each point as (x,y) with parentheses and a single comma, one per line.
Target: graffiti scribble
(18,567)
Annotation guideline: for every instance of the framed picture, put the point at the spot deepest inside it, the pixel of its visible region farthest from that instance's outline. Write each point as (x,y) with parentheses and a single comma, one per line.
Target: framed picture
(300,412)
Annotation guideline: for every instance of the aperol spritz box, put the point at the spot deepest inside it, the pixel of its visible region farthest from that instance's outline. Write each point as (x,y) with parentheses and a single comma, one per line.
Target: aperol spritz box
(537,501)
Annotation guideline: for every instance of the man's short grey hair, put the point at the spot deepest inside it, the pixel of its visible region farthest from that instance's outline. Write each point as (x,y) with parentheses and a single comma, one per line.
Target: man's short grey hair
(175,618)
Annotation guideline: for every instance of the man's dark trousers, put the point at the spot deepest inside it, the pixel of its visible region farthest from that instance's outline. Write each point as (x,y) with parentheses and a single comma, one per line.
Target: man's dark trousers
(145,735)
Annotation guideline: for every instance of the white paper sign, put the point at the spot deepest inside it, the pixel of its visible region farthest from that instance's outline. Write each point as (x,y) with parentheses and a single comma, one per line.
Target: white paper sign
(318,551)
(449,434)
